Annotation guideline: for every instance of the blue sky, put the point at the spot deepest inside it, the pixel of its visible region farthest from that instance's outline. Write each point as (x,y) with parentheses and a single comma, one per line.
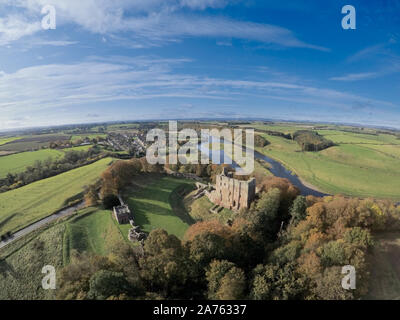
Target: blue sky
(160,59)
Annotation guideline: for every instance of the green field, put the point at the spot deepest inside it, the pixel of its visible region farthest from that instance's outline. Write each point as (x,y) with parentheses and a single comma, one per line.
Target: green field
(17,163)
(8,140)
(25,205)
(91,230)
(158,205)
(94,231)
(359,165)
(91,136)
(199,210)
(79,148)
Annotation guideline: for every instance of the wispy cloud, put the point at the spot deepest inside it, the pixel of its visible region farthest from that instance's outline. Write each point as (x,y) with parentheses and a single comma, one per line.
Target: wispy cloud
(113,79)
(146,22)
(356,76)
(14,27)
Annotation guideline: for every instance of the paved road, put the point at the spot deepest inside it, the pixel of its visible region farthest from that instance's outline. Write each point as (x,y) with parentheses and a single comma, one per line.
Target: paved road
(60,214)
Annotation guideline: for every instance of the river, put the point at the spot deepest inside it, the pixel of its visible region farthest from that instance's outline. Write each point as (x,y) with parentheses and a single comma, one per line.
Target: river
(277,169)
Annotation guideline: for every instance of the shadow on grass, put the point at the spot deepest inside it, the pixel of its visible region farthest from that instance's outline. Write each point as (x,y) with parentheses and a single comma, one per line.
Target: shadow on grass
(6,269)
(6,220)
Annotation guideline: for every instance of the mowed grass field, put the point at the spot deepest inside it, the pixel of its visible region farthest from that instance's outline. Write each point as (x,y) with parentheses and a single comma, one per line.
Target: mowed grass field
(23,206)
(94,231)
(159,205)
(362,165)
(90,230)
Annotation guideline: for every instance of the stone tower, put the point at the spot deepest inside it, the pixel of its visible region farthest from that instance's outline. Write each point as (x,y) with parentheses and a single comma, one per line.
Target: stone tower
(231,193)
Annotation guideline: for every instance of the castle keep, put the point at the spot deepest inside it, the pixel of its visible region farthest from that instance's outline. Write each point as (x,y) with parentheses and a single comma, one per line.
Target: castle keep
(231,193)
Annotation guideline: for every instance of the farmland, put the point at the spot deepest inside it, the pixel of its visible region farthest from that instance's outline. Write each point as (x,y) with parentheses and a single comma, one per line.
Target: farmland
(5,140)
(75,138)
(156,205)
(17,163)
(27,204)
(364,165)
(33,142)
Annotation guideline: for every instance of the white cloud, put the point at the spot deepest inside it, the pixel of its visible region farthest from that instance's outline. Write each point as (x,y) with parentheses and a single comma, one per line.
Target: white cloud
(35,89)
(153,22)
(14,27)
(356,76)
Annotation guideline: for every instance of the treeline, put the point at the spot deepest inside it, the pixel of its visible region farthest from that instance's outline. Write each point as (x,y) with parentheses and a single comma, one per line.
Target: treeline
(276,134)
(122,172)
(50,167)
(285,246)
(311,140)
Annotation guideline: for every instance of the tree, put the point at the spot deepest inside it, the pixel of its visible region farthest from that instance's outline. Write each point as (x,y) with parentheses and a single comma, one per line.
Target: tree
(104,284)
(232,286)
(165,266)
(264,221)
(298,210)
(209,226)
(206,247)
(74,278)
(272,282)
(91,196)
(334,253)
(359,237)
(214,274)
(110,201)
(328,286)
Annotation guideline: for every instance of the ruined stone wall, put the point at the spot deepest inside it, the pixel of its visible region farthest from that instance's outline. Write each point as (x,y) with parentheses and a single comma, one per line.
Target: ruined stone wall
(233,194)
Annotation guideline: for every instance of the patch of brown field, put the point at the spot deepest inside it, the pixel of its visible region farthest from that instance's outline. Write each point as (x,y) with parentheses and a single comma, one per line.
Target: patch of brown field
(385,267)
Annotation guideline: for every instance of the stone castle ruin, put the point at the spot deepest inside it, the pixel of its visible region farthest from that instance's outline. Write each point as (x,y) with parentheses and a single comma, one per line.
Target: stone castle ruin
(124,216)
(231,193)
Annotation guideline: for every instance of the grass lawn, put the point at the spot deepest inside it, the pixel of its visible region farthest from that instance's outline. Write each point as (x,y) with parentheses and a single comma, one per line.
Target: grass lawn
(353,168)
(199,209)
(385,268)
(93,230)
(17,163)
(158,205)
(23,206)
